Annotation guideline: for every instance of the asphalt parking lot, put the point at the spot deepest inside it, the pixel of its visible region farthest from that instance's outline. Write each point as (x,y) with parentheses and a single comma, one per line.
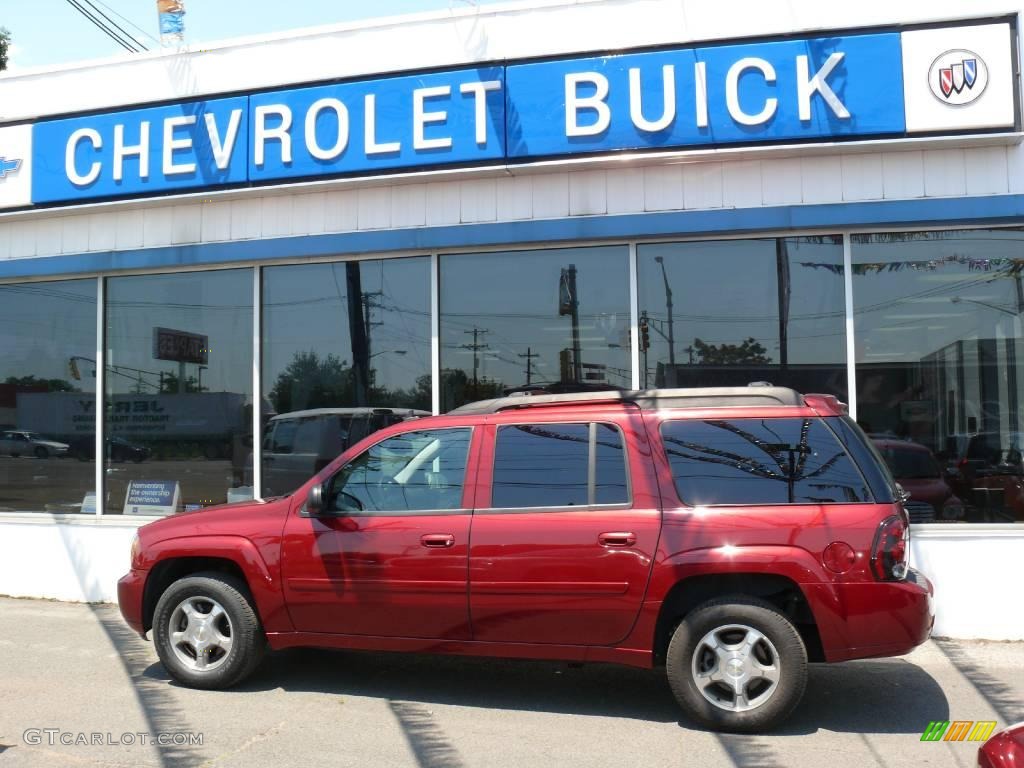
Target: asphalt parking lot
(72,672)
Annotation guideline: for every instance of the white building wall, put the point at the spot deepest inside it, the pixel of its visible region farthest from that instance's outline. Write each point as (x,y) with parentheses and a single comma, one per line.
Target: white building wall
(470,197)
(80,559)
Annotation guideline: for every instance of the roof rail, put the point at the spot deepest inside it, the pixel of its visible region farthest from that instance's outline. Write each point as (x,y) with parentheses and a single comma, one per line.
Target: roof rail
(648,399)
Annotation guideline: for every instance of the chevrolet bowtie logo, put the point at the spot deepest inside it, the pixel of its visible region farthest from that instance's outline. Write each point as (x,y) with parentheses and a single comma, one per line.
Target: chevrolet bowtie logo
(8,166)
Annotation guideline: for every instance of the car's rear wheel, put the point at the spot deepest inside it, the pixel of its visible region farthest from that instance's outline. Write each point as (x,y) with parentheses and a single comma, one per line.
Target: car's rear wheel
(206,631)
(737,664)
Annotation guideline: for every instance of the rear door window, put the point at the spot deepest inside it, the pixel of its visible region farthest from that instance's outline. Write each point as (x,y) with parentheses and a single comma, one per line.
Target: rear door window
(760,461)
(549,465)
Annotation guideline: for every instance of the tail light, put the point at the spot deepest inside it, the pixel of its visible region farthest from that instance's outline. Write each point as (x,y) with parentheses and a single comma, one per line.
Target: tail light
(891,549)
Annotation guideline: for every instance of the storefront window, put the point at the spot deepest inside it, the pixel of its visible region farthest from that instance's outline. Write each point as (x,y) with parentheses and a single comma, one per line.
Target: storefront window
(48,397)
(179,390)
(555,319)
(726,313)
(346,351)
(938,330)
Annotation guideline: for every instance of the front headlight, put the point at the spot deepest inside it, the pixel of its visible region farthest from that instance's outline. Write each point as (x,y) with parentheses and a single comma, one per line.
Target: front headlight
(136,546)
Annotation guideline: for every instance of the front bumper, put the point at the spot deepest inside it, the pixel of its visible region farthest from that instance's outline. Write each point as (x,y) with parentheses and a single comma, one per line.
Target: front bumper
(859,621)
(130,589)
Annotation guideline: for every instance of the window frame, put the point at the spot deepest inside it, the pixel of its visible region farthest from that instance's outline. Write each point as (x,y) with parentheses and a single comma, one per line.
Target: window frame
(591,424)
(434,512)
(672,418)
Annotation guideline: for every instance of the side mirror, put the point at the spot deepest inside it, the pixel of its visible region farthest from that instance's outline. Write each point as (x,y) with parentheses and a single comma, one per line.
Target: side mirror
(315,500)
(901,494)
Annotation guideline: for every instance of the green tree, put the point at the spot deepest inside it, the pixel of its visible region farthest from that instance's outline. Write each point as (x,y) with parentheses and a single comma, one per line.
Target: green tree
(41,385)
(169,385)
(748,352)
(5,44)
(310,381)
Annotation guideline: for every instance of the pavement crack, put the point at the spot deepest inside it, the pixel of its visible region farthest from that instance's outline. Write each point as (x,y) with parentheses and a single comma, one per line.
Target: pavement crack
(263,735)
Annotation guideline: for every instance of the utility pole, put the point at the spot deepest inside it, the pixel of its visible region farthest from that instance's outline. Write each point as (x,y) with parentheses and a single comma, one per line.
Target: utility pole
(530,354)
(477,346)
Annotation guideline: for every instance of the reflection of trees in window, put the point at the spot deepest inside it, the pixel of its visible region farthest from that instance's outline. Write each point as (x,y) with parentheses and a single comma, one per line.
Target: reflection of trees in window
(36,384)
(748,352)
(311,381)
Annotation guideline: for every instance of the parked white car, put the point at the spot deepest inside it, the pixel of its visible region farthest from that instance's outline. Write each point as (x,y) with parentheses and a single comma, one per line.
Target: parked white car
(23,443)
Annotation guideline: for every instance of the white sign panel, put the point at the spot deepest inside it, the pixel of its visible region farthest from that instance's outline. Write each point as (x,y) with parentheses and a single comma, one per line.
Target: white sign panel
(958,78)
(15,166)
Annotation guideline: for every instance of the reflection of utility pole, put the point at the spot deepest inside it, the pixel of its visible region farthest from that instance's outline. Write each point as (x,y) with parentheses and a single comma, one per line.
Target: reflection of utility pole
(357,334)
(368,304)
(477,346)
(645,340)
(668,309)
(782,271)
(530,354)
(569,304)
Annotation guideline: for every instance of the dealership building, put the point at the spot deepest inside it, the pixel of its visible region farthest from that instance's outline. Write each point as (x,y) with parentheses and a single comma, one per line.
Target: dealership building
(418,212)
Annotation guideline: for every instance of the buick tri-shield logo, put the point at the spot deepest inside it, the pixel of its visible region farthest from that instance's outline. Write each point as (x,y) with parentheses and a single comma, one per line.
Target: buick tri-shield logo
(958,77)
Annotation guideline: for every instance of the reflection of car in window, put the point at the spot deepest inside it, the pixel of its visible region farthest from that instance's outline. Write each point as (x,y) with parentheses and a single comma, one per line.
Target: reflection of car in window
(915,468)
(118,450)
(299,444)
(986,470)
(26,443)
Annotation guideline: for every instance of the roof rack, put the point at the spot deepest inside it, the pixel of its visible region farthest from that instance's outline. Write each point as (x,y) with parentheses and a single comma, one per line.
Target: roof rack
(698,397)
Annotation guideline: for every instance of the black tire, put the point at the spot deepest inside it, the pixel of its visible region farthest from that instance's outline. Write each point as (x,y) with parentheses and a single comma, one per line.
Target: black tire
(41,452)
(248,641)
(784,641)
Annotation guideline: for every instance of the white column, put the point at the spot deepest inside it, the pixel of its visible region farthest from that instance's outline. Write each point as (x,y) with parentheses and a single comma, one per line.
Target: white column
(435,334)
(257,383)
(101,398)
(634,319)
(851,348)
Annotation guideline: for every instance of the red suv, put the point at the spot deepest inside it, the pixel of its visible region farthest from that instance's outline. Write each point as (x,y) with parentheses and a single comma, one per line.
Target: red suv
(731,535)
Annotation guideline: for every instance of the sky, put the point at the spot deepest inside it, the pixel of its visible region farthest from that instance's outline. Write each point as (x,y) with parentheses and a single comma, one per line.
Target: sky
(52,32)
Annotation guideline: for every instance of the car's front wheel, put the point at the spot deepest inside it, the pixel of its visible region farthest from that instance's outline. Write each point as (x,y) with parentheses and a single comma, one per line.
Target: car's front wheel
(41,452)
(737,664)
(206,631)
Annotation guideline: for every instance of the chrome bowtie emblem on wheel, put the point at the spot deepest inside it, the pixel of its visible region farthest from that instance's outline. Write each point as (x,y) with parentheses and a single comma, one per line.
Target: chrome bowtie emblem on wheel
(958,77)
(8,166)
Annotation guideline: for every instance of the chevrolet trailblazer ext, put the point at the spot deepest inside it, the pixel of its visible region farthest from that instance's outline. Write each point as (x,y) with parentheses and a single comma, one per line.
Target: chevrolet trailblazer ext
(732,535)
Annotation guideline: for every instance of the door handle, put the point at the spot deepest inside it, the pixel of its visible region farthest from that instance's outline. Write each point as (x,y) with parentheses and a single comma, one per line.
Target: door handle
(438,540)
(617,539)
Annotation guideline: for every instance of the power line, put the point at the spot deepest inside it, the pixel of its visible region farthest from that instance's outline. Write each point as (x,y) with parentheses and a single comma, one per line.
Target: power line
(121,29)
(103,28)
(129,21)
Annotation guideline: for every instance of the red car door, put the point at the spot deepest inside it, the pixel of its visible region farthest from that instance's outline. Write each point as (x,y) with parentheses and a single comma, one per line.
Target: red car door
(564,537)
(391,558)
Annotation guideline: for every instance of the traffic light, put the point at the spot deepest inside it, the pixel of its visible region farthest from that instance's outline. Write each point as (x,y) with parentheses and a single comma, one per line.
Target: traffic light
(645,334)
(73,369)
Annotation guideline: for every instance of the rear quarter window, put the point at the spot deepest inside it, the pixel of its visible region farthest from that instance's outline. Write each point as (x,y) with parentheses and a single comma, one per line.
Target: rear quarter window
(760,461)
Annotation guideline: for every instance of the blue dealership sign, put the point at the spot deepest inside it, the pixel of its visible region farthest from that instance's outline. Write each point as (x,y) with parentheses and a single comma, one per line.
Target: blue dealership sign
(378,125)
(818,88)
(157,149)
(756,92)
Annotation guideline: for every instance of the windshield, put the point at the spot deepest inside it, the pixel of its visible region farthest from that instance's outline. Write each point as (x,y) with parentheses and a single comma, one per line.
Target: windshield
(910,464)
